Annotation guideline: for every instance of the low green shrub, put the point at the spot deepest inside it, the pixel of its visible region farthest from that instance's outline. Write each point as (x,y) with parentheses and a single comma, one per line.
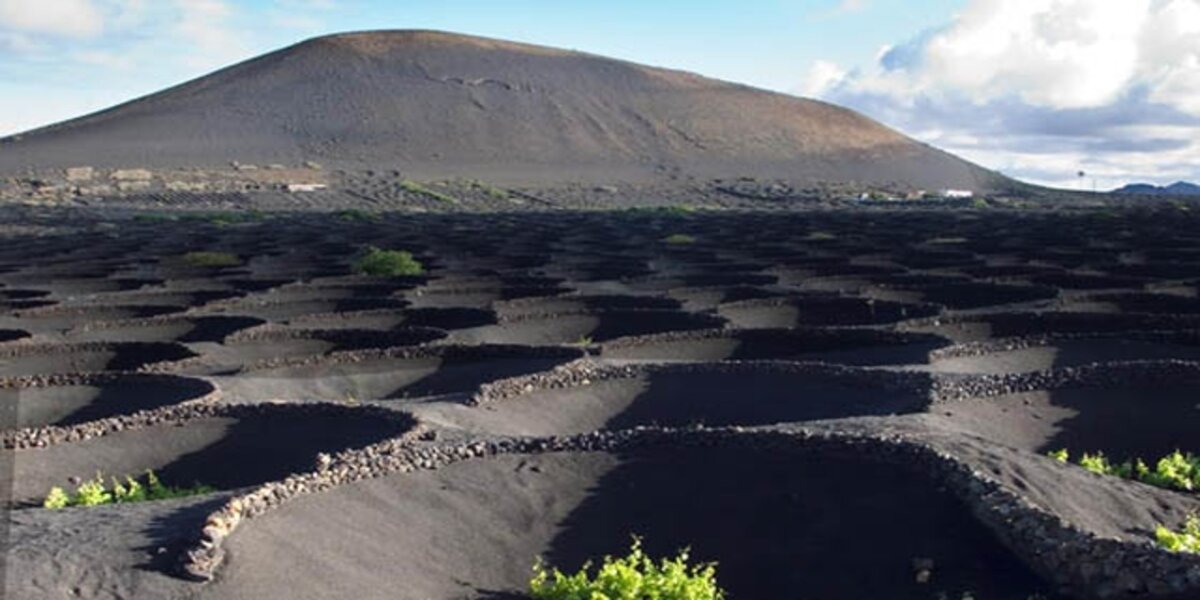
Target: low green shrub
(1175,471)
(1184,540)
(413,187)
(153,218)
(356,214)
(679,239)
(674,210)
(491,191)
(93,492)
(634,577)
(388,263)
(211,259)
(227,217)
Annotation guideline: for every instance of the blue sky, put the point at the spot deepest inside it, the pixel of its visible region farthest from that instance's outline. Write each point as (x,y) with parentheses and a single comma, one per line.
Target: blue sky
(1039,89)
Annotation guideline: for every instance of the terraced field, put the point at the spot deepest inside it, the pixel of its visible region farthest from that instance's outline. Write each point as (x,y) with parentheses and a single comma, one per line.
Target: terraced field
(852,404)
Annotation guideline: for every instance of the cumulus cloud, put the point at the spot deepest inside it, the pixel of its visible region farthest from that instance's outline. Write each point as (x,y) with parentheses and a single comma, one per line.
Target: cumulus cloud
(1039,88)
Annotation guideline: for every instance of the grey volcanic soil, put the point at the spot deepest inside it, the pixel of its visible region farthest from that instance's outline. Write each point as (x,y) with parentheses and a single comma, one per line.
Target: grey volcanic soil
(990,348)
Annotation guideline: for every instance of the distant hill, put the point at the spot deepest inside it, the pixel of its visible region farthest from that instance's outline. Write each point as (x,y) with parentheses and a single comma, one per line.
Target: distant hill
(444,105)
(1179,188)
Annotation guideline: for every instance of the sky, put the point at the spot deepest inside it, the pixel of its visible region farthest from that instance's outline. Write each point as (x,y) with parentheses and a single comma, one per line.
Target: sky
(1037,89)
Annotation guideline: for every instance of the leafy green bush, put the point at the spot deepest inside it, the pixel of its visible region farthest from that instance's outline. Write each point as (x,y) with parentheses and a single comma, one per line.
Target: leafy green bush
(1184,540)
(56,499)
(93,492)
(415,188)
(388,263)
(211,259)
(679,239)
(1176,471)
(634,577)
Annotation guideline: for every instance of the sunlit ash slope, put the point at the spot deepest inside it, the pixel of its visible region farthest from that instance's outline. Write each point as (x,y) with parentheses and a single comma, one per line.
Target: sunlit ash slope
(440,104)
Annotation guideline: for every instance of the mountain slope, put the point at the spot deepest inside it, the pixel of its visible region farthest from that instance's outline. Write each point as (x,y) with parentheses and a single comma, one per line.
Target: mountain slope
(450,105)
(1179,188)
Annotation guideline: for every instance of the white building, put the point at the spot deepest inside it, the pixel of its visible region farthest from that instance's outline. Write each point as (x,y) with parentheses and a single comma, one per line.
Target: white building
(957,194)
(304,187)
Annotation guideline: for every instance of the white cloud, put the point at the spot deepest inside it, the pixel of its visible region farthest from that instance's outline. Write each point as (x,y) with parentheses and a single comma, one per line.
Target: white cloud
(851,5)
(1050,86)
(207,26)
(78,18)
(1062,53)
(822,76)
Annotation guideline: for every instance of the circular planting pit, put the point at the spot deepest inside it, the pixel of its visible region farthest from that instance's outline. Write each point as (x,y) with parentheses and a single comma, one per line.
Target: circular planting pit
(224,447)
(980,327)
(581,398)
(386,319)
(184,329)
(1085,281)
(862,347)
(49,359)
(163,297)
(971,295)
(392,374)
(12,335)
(586,327)
(773,519)
(708,298)
(263,307)
(78,286)
(583,303)
(1128,410)
(60,318)
(71,400)
(774,313)
(482,293)
(269,344)
(1022,355)
(1133,302)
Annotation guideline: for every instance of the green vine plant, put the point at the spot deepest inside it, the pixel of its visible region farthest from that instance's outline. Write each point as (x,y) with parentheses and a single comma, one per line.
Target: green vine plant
(633,577)
(1175,471)
(94,492)
(1184,540)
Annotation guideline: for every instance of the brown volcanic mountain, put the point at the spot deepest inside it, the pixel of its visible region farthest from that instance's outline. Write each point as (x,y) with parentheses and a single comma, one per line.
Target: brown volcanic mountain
(438,104)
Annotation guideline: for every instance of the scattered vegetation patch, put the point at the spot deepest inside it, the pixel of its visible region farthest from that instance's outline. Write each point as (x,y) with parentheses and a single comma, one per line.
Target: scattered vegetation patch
(819,236)
(491,191)
(674,210)
(634,577)
(679,239)
(211,259)
(946,241)
(153,218)
(388,263)
(228,217)
(1184,540)
(413,187)
(356,215)
(95,493)
(1175,471)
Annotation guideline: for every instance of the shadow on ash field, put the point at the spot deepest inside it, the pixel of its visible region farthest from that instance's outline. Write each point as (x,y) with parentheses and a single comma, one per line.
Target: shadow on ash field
(551,324)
